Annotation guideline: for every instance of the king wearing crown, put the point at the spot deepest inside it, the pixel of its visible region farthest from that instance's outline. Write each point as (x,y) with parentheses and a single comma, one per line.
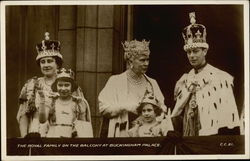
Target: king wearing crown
(204,97)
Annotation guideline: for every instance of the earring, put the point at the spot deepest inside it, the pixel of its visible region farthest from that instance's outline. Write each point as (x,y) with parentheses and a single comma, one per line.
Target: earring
(131,66)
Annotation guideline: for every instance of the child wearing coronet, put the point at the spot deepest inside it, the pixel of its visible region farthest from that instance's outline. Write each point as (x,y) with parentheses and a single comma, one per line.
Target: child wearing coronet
(67,113)
(147,125)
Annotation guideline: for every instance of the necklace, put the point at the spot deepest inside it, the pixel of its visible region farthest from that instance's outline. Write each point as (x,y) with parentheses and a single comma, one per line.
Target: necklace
(48,81)
(135,79)
(199,80)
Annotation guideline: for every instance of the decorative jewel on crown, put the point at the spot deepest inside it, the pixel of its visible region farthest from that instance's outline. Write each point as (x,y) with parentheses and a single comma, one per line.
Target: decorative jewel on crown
(194,35)
(134,45)
(48,48)
(65,73)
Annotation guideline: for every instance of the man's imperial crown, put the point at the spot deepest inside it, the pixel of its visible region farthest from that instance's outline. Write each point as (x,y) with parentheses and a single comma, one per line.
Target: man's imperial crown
(194,34)
(48,48)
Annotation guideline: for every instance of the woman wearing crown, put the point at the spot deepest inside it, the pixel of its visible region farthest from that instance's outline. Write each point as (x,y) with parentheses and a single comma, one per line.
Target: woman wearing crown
(49,59)
(122,93)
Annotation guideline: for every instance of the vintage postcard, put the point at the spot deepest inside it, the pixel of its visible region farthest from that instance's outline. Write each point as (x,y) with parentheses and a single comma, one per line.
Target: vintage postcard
(104,80)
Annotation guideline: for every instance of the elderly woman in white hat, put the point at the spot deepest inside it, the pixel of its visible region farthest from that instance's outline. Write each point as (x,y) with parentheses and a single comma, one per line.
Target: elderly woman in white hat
(122,93)
(49,59)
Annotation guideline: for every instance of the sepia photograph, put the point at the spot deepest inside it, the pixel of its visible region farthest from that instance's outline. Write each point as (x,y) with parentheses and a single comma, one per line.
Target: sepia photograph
(124,80)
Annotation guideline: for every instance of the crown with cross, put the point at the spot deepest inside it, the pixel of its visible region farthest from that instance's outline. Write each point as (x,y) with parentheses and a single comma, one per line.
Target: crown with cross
(194,34)
(65,73)
(48,48)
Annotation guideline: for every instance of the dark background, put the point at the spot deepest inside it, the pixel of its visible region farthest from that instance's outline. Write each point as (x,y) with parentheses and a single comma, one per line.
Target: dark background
(163,24)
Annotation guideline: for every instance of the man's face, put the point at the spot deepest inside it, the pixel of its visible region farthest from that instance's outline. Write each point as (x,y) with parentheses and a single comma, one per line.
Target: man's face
(48,66)
(197,57)
(140,63)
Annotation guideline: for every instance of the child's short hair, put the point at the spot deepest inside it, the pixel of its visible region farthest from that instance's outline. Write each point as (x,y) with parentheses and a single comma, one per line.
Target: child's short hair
(156,108)
(66,75)
(74,86)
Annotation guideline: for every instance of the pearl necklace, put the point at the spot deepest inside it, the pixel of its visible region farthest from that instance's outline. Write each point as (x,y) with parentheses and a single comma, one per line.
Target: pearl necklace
(135,79)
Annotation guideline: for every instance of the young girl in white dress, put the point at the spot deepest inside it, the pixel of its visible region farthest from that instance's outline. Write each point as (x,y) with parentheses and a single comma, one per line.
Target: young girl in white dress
(67,113)
(147,125)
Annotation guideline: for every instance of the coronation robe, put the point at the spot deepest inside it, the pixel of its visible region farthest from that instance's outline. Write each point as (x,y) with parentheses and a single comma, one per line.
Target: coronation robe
(210,105)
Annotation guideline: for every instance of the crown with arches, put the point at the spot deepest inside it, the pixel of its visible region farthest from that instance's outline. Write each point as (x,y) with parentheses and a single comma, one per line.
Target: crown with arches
(194,35)
(48,48)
